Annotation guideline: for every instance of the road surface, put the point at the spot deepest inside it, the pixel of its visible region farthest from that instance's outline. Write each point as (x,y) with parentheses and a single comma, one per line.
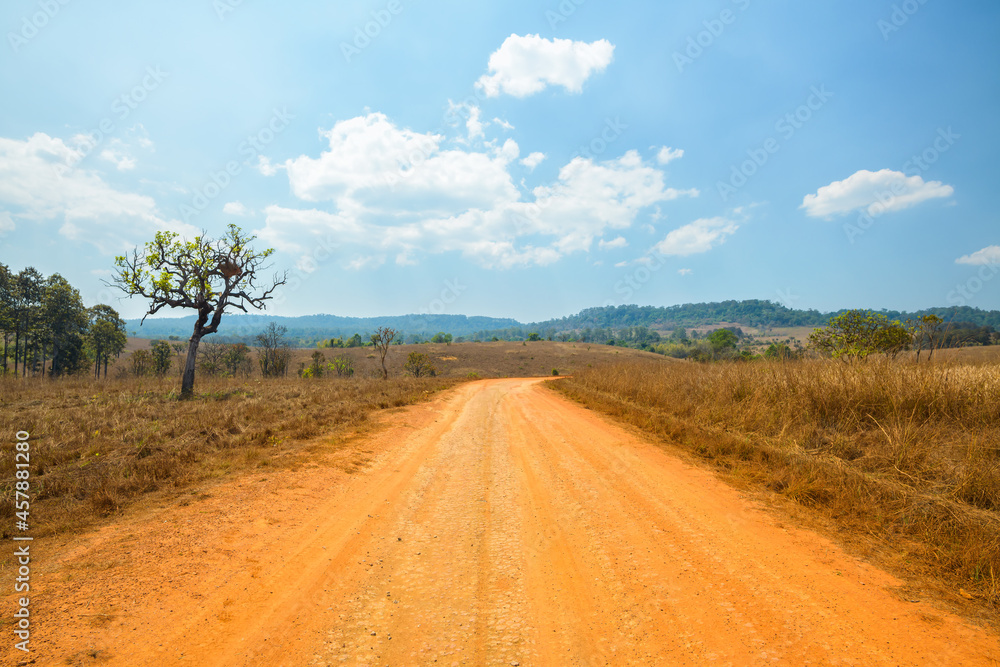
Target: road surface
(499,524)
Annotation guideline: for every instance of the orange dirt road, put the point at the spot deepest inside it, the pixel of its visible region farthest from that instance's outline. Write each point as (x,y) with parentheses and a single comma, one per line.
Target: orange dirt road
(498,524)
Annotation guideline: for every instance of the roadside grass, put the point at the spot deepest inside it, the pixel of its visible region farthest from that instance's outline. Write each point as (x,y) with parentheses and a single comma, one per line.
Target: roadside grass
(98,446)
(906,454)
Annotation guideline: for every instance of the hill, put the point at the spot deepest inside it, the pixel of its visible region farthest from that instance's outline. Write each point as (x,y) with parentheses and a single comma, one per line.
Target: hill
(308,330)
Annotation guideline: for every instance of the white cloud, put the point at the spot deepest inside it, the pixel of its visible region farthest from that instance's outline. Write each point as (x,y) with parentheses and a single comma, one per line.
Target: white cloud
(372,162)
(6,222)
(389,190)
(684,272)
(533,160)
(236,208)
(265,167)
(874,191)
(504,124)
(698,237)
(668,155)
(989,255)
(366,262)
(525,65)
(619,242)
(119,151)
(120,160)
(40,180)
(473,124)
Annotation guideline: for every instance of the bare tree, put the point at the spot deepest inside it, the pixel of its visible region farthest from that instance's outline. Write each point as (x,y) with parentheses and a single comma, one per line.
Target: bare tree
(273,353)
(206,275)
(382,339)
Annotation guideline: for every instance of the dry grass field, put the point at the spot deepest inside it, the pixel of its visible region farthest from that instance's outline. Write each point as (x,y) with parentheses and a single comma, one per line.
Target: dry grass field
(99,445)
(486,360)
(905,456)
(489,360)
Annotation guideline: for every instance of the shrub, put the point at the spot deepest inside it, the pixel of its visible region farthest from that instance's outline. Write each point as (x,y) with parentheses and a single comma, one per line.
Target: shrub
(419,365)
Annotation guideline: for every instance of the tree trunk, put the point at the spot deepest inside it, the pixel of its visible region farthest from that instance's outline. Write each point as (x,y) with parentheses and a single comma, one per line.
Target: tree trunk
(187,384)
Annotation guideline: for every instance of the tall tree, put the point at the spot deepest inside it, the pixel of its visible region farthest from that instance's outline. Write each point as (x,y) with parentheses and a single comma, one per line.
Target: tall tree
(927,332)
(273,353)
(29,286)
(859,333)
(6,309)
(207,275)
(106,336)
(64,321)
(382,339)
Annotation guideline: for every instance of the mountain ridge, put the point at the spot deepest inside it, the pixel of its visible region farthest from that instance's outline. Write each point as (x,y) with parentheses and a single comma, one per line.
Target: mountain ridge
(751,313)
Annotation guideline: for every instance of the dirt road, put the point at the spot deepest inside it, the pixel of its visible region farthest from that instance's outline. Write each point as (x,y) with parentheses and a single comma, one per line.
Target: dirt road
(499,524)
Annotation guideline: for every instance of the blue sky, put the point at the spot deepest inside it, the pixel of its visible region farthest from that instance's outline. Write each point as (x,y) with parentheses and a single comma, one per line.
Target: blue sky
(515,159)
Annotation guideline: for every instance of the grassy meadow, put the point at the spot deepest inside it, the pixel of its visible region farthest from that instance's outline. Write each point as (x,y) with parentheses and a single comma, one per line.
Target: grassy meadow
(100,445)
(905,456)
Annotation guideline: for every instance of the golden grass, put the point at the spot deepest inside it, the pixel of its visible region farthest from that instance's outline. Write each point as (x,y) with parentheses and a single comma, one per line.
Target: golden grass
(98,446)
(907,454)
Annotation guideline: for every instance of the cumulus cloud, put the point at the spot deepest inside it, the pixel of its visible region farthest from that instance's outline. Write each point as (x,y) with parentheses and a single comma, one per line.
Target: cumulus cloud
(41,180)
(873,191)
(988,256)
(236,208)
(667,155)
(619,242)
(372,162)
(474,125)
(700,236)
(120,160)
(684,272)
(384,189)
(533,160)
(523,66)
(366,262)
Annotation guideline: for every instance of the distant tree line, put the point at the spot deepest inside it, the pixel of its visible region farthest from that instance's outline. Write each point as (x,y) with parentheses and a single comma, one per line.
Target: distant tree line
(47,330)
(593,323)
